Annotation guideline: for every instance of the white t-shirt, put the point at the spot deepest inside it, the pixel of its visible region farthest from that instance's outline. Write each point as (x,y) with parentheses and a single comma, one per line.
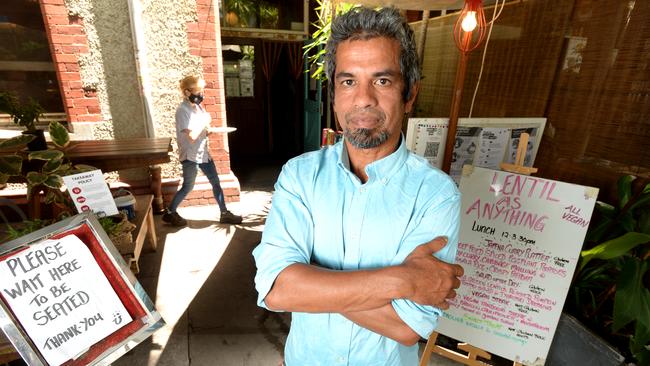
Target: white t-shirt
(190,118)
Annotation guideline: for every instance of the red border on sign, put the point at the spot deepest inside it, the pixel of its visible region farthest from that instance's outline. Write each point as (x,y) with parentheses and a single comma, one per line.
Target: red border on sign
(121,288)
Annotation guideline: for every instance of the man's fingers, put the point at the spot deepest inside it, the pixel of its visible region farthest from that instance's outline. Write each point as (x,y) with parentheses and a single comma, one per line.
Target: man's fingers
(436,244)
(458,270)
(451,294)
(444,305)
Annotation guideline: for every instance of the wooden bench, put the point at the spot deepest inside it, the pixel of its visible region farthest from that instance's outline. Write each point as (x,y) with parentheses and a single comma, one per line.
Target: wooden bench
(144,229)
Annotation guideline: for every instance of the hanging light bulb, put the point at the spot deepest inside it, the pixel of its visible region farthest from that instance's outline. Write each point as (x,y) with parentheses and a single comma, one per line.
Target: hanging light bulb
(469,30)
(469,22)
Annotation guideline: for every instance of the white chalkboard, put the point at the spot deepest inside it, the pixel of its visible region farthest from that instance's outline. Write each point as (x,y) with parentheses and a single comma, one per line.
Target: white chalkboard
(520,240)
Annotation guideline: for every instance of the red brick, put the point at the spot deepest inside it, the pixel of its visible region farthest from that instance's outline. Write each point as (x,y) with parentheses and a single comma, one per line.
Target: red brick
(208,44)
(68,29)
(76,111)
(81,40)
(69,76)
(61,58)
(72,94)
(53,20)
(86,102)
(94,109)
(56,2)
(52,9)
(72,66)
(75,84)
(208,52)
(62,39)
(192,27)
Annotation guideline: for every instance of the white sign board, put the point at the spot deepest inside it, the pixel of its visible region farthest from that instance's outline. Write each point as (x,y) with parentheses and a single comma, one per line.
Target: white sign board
(90,192)
(520,240)
(61,297)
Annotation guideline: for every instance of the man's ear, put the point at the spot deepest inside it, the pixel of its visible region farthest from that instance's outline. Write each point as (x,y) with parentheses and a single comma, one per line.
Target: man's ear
(415,88)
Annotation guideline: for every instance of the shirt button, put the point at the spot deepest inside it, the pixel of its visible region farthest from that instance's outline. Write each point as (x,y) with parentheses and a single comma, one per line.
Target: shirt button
(340,359)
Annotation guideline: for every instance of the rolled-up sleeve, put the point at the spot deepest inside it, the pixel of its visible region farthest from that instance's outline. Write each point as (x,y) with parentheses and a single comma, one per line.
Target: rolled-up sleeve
(288,233)
(441,218)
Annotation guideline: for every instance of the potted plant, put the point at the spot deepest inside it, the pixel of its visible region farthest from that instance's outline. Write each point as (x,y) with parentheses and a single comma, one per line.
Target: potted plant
(240,13)
(269,15)
(42,170)
(611,288)
(25,115)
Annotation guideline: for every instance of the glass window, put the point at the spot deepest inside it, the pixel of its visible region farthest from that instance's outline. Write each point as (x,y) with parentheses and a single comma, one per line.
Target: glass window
(26,66)
(270,14)
(239,70)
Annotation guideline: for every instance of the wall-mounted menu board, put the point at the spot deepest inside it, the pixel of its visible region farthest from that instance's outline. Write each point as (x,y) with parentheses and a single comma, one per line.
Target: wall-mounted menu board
(520,240)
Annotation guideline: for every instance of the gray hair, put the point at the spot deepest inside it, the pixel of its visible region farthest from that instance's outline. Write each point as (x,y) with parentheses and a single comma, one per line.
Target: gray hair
(364,23)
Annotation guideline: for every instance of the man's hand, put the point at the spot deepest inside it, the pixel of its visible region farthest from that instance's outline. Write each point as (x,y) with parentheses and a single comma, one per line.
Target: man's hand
(431,280)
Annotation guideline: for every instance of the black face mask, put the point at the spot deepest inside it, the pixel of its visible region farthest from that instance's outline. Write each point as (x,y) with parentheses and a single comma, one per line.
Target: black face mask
(195,98)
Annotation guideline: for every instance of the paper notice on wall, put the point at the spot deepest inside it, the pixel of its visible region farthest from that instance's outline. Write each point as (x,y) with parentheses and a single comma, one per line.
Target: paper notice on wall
(465,146)
(493,144)
(520,240)
(427,137)
(61,297)
(90,192)
(515,134)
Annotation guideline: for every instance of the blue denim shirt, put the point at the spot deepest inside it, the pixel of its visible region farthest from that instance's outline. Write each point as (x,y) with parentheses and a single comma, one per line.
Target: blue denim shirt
(322,214)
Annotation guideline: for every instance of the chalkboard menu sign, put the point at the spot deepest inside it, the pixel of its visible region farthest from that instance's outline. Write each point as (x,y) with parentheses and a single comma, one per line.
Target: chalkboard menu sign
(68,298)
(520,240)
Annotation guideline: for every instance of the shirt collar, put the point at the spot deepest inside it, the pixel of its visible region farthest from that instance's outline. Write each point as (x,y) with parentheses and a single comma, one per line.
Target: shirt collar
(381,170)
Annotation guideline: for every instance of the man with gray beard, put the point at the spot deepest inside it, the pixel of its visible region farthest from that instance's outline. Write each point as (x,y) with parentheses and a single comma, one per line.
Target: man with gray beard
(361,236)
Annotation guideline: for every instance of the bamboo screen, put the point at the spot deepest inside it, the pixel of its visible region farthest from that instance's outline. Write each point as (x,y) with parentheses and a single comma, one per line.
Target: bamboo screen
(583,64)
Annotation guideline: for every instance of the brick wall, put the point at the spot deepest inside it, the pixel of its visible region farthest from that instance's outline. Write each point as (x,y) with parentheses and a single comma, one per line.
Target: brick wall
(204,40)
(67,41)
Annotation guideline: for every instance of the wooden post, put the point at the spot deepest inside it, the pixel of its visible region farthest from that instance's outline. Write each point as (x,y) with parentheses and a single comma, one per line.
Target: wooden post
(455,109)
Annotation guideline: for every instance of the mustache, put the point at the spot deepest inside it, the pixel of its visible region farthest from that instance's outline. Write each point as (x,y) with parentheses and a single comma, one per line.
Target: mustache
(365,113)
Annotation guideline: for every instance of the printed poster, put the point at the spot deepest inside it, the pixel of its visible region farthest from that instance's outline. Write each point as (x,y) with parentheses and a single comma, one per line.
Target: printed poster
(61,297)
(90,192)
(520,240)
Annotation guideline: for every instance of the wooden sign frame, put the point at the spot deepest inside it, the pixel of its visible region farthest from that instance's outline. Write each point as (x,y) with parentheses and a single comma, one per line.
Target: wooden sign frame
(145,321)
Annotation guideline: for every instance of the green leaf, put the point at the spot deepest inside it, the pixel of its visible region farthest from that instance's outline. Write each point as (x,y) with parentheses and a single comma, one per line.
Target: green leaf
(52,166)
(35,178)
(632,299)
(614,248)
(80,168)
(11,164)
(4,178)
(644,222)
(640,339)
(641,201)
(625,189)
(46,155)
(16,142)
(606,209)
(53,181)
(59,134)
